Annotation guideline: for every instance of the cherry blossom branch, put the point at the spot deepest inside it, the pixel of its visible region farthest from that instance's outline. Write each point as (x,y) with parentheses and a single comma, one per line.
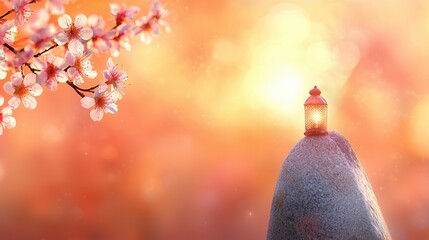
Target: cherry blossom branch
(33,70)
(76,88)
(10,48)
(7,13)
(10,11)
(81,38)
(91,89)
(46,50)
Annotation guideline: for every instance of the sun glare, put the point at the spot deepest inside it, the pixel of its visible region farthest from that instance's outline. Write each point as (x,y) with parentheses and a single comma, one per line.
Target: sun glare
(283,90)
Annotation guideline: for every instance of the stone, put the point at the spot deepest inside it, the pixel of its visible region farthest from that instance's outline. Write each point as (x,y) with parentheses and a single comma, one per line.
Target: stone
(323,193)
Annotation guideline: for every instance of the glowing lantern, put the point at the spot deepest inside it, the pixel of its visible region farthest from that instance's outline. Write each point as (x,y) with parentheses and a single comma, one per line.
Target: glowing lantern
(316,114)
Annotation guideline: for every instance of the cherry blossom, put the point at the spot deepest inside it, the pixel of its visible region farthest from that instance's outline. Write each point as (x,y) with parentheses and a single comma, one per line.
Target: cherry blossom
(7,121)
(40,30)
(75,32)
(159,13)
(115,78)
(3,69)
(80,65)
(100,40)
(121,40)
(23,56)
(32,66)
(7,32)
(56,7)
(52,71)
(22,11)
(101,102)
(123,13)
(148,26)
(23,89)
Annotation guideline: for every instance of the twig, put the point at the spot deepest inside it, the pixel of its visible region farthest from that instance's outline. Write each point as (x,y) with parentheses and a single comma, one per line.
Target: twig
(33,70)
(10,47)
(91,89)
(46,50)
(7,13)
(75,88)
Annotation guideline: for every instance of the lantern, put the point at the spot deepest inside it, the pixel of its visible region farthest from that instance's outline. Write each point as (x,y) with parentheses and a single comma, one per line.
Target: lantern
(316,114)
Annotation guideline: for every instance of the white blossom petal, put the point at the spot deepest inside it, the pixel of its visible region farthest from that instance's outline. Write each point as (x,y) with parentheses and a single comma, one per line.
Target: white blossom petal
(114,8)
(41,77)
(16,78)
(106,75)
(39,63)
(87,102)
(145,38)
(110,64)
(9,122)
(9,88)
(76,47)
(96,114)
(70,58)
(91,74)
(29,102)
(65,21)
(80,21)
(61,39)
(85,33)
(14,102)
(35,90)
(111,108)
(62,77)
(29,79)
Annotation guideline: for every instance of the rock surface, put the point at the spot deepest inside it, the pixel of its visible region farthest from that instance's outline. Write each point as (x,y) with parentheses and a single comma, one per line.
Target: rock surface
(323,193)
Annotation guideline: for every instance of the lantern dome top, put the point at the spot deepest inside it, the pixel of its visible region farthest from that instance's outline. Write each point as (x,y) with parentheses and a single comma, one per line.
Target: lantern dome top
(315,98)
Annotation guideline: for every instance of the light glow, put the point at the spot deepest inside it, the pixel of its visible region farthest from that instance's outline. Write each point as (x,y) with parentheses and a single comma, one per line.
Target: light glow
(317,118)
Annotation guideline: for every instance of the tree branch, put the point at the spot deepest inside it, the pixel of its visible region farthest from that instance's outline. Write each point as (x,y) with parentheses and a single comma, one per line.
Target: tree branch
(91,89)
(46,50)
(33,70)
(71,84)
(7,13)
(10,48)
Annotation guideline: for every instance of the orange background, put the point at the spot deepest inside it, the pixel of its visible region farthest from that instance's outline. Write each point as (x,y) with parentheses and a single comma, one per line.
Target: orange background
(210,112)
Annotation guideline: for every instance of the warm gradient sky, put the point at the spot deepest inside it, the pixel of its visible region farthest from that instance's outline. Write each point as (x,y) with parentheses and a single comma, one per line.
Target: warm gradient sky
(211,111)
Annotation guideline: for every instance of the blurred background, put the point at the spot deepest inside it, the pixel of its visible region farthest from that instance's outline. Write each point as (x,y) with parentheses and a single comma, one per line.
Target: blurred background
(210,113)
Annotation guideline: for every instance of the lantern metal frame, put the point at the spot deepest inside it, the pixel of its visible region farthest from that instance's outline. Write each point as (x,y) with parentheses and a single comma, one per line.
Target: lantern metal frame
(316,114)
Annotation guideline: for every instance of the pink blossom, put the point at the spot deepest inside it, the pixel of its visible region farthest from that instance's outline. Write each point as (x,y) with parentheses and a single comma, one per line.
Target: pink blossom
(23,56)
(56,7)
(101,102)
(39,19)
(123,13)
(22,11)
(23,89)
(115,77)
(51,71)
(7,32)
(43,38)
(80,66)
(148,26)
(3,68)
(39,29)
(100,40)
(159,13)
(74,33)
(121,39)
(6,119)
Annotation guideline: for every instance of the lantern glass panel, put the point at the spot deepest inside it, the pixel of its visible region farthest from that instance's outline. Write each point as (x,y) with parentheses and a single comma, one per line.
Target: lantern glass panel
(316,118)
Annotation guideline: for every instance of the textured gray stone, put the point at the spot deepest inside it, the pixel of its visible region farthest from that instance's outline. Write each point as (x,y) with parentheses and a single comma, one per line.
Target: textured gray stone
(323,193)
